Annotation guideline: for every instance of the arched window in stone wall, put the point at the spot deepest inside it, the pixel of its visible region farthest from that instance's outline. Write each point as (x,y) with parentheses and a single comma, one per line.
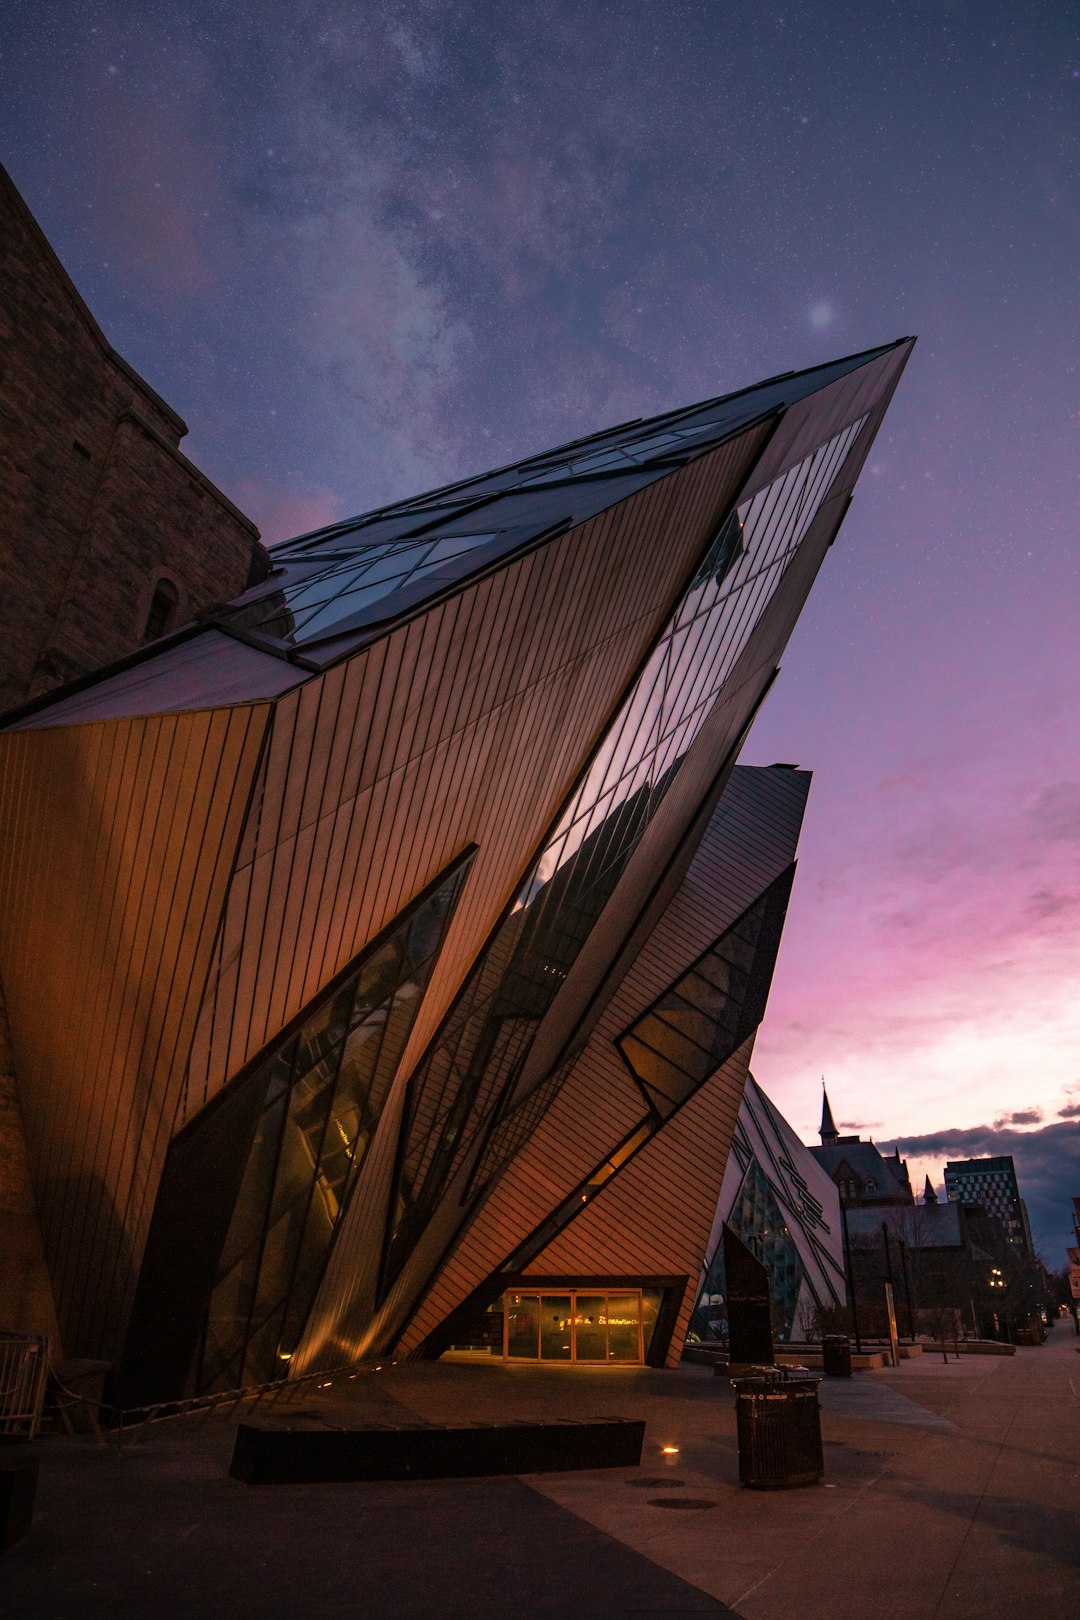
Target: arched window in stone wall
(164,609)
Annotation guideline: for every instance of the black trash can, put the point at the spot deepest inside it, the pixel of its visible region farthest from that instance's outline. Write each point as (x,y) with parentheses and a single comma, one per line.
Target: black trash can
(779,1427)
(836,1355)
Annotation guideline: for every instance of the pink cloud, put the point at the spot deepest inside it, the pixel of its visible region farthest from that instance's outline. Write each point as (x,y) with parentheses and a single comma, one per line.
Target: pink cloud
(931,953)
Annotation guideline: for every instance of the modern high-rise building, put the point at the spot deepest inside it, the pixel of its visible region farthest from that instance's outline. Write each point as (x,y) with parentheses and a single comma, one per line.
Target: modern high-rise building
(992,1183)
(391,941)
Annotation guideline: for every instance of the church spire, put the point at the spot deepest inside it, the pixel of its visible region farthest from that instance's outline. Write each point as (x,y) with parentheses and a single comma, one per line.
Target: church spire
(828,1131)
(929,1195)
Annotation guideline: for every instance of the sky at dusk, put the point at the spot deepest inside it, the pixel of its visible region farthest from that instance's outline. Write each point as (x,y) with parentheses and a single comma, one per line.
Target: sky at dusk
(367,248)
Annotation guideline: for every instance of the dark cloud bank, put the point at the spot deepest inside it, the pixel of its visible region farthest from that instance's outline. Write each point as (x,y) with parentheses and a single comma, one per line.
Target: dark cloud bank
(1047,1168)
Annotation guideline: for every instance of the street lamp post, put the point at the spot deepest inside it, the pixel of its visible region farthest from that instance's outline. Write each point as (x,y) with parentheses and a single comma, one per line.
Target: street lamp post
(907,1290)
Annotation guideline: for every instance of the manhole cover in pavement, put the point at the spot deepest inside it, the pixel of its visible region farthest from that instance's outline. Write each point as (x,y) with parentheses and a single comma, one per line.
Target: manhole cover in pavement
(655,1484)
(687,1502)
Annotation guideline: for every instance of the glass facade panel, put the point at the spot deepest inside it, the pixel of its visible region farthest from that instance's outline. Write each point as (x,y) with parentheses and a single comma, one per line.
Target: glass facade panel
(696,1026)
(708,632)
(249,1218)
(523,1325)
(665,1037)
(651,1300)
(597,1326)
(624,1327)
(654,1071)
(307,597)
(324,1091)
(702,992)
(460,1089)
(556,1328)
(664,1083)
(590,1331)
(758,1220)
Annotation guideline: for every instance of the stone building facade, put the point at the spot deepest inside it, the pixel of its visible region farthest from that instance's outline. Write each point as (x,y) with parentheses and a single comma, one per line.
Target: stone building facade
(109,535)
(862,1173)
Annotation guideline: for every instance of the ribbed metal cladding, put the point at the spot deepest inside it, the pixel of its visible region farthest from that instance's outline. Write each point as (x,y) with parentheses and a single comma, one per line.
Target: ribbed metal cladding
(378,772)
(117,842)
(653,1217)
(668,844)
(361,1326)
(515,770)
(661,1222)
(177,887)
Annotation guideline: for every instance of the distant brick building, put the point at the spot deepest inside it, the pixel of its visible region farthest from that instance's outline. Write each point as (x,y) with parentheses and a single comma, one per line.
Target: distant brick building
(109,536)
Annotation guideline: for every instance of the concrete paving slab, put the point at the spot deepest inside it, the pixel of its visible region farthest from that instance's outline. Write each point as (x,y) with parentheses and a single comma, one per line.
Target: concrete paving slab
(865,1396)
(160,1531)
(950,1490)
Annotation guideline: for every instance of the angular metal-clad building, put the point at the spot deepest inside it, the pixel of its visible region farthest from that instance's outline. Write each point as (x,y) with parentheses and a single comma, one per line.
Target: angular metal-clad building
(398,932)
(785,1209)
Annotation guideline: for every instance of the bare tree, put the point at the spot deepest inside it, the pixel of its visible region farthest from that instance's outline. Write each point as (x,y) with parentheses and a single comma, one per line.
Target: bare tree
(943,1328)
(808,1319)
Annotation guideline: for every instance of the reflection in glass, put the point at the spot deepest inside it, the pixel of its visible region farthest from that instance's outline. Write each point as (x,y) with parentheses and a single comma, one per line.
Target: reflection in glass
(467,1080)
(695,1026)
(590,1331)
(305,598)
(523,1325)
(693,658)
(323,1094)
(651,1299)
(624,1327)
(596,1326)
(556,1328)
(759,1221)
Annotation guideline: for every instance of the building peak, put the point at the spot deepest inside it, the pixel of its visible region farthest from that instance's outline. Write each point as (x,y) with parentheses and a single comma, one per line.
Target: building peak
(828,1132)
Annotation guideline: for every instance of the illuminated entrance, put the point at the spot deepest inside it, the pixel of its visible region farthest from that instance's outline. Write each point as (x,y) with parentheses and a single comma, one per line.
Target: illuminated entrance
(596,1326)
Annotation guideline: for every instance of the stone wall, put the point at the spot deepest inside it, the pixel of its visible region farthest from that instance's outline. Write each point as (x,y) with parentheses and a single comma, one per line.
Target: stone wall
(97,503)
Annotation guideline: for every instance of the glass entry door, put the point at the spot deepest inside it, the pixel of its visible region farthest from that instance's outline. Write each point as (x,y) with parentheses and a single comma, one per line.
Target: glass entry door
(598,1326)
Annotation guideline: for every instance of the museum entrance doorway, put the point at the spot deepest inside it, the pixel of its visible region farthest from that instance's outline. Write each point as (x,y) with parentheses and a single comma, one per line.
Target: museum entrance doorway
(587,1326)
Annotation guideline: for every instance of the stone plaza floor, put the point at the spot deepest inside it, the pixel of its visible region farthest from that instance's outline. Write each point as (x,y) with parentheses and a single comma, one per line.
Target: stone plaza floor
(950,1490)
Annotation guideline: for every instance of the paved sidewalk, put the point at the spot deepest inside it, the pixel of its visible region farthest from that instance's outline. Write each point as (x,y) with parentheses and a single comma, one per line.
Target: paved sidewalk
(949,1491)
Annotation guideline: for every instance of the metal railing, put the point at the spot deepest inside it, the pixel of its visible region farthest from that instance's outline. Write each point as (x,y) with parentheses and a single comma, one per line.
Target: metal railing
(25,1380)
(24,1368)
(132,1425)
